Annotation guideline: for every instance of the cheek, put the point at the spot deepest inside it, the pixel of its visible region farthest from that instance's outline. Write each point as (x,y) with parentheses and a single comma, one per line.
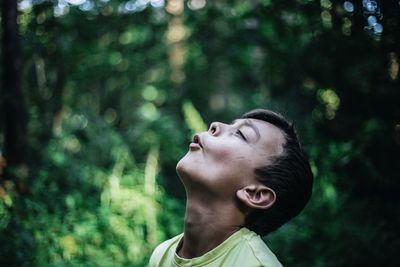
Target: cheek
(232,154)
(221,152)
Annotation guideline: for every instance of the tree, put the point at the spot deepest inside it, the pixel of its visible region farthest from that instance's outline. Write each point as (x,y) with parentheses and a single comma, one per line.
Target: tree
(14,114)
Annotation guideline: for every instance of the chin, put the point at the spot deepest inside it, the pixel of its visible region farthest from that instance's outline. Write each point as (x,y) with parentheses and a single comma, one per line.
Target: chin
(186,169)
(179,166)
(182,166)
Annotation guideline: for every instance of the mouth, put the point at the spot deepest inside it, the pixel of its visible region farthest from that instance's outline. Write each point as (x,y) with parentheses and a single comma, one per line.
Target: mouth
(196,142)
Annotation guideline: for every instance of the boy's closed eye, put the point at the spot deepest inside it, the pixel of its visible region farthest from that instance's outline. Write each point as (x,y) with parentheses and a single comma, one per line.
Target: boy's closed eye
(241,135)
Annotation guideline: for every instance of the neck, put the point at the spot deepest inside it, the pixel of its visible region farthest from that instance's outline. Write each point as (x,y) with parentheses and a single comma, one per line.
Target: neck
(207,225)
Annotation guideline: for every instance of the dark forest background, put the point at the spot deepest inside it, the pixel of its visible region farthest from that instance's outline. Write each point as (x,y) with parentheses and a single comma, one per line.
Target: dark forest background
(99,99)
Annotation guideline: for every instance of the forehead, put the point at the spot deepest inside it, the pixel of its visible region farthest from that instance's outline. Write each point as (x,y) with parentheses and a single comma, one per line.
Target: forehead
(270,136)
(260,125)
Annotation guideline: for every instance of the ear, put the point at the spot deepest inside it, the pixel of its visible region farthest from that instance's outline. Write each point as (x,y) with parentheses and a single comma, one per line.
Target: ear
(257,196)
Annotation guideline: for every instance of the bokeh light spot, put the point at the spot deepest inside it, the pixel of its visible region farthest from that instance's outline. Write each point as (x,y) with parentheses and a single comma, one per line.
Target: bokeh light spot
(175,7)
(348,6)
(196,4)
(331,100)
(157,3)
(150,93)
(72,144)
(115,58)
(177,32)
(372,20)
(149,111)
(76,2)
(326,19)
(346,27)
(370,6)
(87,6)
(326,4)
(110,115)
(126,38)
(378,28)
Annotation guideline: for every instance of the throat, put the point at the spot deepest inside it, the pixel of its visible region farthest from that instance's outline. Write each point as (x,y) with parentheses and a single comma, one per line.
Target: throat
(196,245)
(206,227)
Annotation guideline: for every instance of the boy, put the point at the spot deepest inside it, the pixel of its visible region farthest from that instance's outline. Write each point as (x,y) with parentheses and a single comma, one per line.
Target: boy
(242,180)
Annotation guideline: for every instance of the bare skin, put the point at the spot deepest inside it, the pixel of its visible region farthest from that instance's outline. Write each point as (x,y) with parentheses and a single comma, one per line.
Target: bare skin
(206,226)
(218,175)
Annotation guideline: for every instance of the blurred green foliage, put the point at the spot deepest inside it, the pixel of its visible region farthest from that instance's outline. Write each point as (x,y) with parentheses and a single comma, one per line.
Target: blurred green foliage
(115,90)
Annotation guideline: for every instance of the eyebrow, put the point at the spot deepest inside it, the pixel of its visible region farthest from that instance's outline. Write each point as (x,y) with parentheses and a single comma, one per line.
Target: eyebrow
(249,123)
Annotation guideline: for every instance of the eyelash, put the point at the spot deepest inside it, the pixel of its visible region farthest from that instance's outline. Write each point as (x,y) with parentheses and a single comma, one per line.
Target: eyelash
(241,134)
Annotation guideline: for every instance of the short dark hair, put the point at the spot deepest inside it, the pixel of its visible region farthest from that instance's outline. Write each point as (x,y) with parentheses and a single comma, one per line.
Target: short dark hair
(288,174)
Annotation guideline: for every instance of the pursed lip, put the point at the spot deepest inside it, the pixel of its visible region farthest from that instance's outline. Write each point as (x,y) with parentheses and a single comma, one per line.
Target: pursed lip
(196,141)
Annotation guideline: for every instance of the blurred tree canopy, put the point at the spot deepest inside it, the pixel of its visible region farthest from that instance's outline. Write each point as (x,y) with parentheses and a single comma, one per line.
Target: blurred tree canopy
(100,97)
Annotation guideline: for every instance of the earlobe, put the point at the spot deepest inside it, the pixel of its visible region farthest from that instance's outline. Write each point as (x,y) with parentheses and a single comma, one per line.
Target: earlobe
(257,196)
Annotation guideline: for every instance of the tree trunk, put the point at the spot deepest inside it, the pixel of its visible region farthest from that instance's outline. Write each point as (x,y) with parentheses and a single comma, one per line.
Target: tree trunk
(14,113)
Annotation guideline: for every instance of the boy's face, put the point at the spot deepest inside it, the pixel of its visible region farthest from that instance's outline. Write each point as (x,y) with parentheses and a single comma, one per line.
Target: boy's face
(223,159)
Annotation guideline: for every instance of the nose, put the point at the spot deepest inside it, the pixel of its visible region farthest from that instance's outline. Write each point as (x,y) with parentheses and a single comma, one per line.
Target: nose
(216,128)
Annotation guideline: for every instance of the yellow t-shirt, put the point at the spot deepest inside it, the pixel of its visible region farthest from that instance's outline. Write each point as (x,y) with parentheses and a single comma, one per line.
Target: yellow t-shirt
(243,249)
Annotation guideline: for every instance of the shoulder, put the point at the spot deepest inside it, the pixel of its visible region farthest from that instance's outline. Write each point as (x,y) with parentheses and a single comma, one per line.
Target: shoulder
(164,248)
(261,252)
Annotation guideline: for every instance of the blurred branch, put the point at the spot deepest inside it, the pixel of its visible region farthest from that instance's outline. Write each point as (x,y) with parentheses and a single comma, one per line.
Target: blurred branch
(193,118)
(150,174)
